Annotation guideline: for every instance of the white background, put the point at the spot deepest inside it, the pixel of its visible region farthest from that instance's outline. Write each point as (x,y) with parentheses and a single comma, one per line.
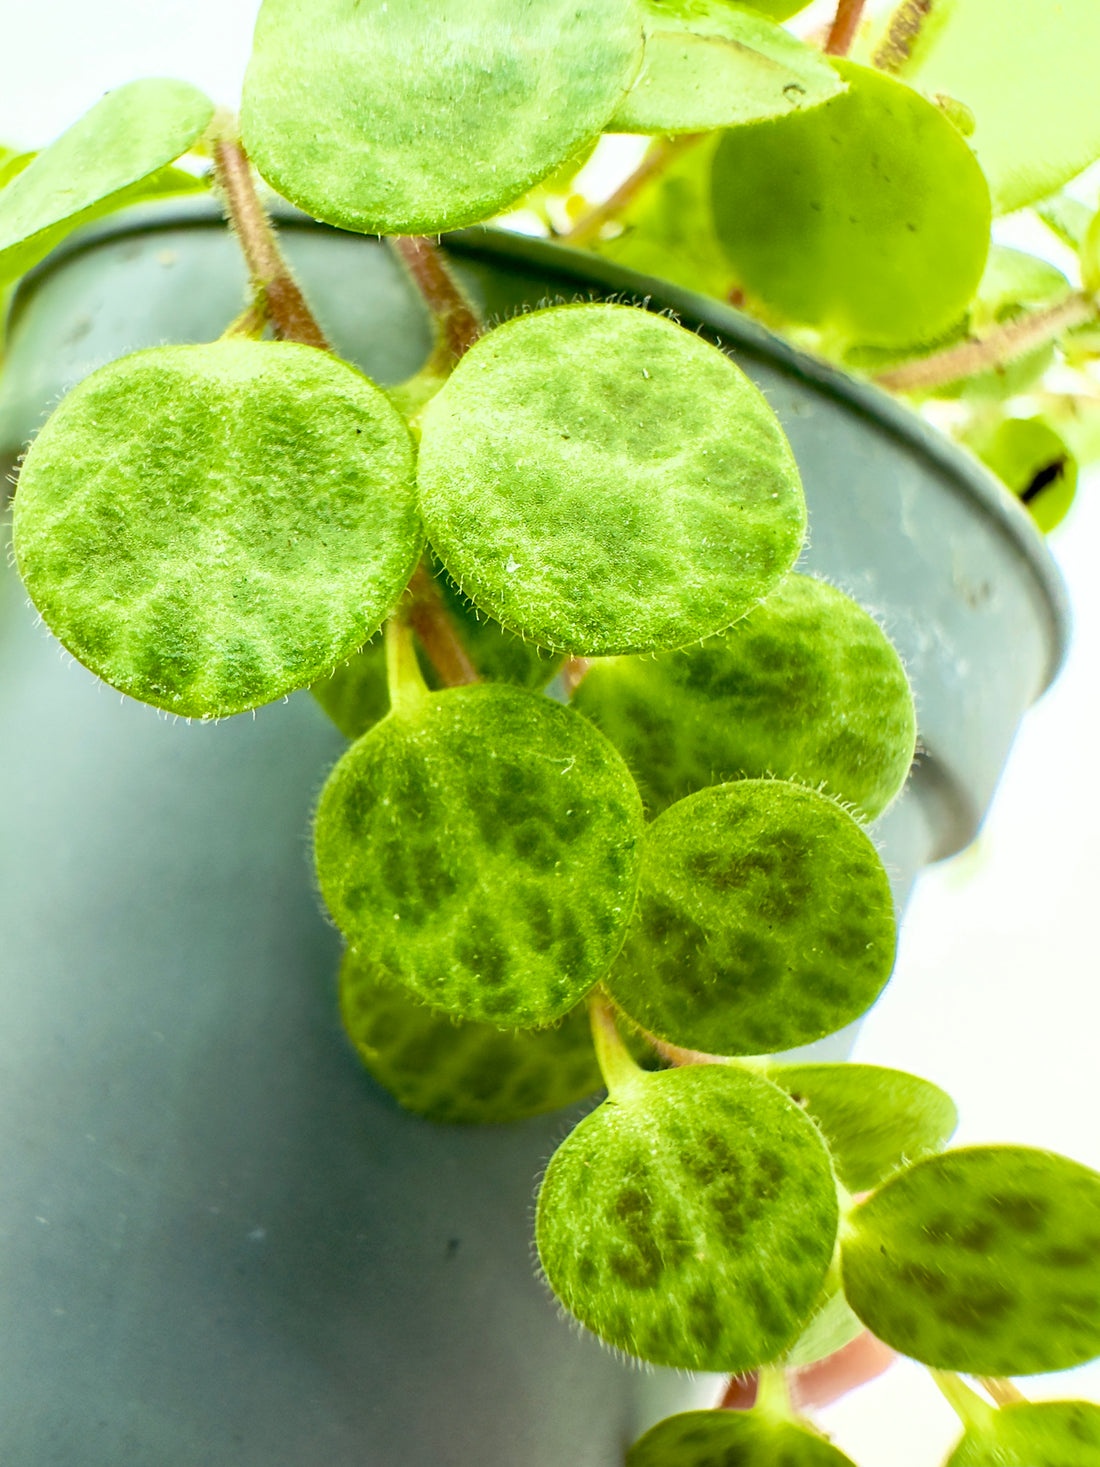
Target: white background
(995,994)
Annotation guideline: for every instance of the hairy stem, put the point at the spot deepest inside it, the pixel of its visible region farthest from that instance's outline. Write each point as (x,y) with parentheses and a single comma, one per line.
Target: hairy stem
(620,1073)
(997,347)
(291,318)
(403,676)
(457,322)
(896,46)
(429,619)
(654,163)
(1001,1391)
(842,32)
(574,673)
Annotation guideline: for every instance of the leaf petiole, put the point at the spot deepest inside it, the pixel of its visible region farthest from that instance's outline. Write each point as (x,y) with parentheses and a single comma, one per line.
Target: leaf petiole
(617,1065)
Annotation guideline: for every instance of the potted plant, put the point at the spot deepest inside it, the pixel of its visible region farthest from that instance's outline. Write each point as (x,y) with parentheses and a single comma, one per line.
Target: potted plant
(243,1248)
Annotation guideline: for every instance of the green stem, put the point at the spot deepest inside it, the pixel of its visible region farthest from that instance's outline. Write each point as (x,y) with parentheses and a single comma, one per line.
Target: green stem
(656,160)
(773,1397)
(406,682)
(620,1072)
(291,317)
(972,1411)
(1004,1392)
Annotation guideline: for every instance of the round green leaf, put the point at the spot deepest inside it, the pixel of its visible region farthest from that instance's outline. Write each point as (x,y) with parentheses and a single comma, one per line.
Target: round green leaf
(708,64)
(1029,457)
(419,116)
(1034,1434)
(984,1260)
(462,1072)
(1028,78)
(355,695)
(764,921)
(806,687)
(210,527)
(875,1120)
(867,216)
(606,447)
(733,1439)
(691,1219)
(482,846)
(93,167)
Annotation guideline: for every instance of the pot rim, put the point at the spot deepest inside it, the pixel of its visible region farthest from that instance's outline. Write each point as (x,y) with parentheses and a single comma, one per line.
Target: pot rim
(964,473)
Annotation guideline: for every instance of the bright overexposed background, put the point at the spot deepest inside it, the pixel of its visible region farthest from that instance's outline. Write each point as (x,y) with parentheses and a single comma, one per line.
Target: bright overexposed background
(997,992)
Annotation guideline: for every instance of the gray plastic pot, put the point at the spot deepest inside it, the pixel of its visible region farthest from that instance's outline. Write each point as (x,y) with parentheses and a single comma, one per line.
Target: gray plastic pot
(219,1241)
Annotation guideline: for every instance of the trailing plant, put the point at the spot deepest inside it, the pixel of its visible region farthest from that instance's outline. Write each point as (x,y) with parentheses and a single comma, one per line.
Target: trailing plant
(661,878)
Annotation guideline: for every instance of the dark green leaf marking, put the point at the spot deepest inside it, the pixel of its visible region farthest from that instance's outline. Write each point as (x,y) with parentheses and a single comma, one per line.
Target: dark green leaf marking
(867,216)
(355,694)
(210,527)
(418,116)
(984,1260)
(708,64)
(805,687)
(462,1072)
(733,1439)
(764,921)
(875,1120)
(605,447)
(482,846)
(691,1220)
(99,164)
(1034,1434)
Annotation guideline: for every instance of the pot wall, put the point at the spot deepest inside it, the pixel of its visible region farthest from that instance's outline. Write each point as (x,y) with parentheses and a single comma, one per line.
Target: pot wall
(219,1240)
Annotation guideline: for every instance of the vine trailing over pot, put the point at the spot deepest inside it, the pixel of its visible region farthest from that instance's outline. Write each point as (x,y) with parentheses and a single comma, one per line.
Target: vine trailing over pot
(591,494)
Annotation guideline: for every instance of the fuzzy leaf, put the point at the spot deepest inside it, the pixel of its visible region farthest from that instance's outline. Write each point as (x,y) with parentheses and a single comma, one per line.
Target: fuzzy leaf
(482,846)
(113,156)
(210,527)
(764,921)
(419,116)
(1034,1434)
(875,1120)
(708,64)
(806,686)
(690,1220)
(458,1071)
(733,1439)
(605,446)
(984,1260)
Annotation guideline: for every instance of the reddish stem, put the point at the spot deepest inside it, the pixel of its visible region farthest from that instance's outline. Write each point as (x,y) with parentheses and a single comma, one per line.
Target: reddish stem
(843,30)
(291,318)
(573,674)
(429,620)
(1003,344)
(458,322)
(655,162)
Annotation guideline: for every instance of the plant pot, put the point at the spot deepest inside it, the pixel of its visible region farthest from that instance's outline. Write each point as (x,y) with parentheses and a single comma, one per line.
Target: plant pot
(221,1241)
